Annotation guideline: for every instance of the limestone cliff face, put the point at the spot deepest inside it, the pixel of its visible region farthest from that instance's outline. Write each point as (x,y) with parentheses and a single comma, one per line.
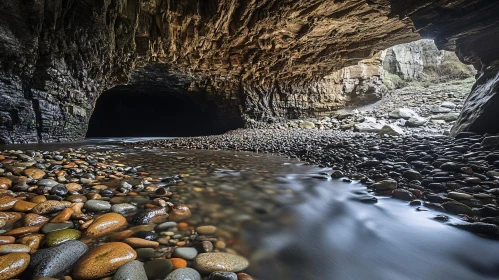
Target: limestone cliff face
(269,58)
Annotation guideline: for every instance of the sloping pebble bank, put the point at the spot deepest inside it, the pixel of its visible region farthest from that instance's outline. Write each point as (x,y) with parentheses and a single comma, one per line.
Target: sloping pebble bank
(76,214)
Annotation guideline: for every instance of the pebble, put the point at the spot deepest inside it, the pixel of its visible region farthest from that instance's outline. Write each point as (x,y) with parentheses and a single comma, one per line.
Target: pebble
(104,260)
(51,262)
(50,227)
(221,275)
(133,270)
(187,253)
(206,230)
(14,248)
(13,264)
(97,205)
(123,208)
(386,185)
(211,262)
(105,224)
(179,212)
(158,268)
(55,238)
(184,274)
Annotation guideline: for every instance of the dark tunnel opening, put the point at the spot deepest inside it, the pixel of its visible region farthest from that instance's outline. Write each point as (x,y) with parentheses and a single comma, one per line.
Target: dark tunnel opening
(125,112)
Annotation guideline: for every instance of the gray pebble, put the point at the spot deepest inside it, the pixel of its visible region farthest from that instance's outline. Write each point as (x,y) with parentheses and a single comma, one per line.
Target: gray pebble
(184,274)
(133,270)
(54,261)
(97,205)
(187,253)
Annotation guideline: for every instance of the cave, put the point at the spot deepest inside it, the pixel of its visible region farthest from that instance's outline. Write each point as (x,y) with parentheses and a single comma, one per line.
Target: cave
(126,111)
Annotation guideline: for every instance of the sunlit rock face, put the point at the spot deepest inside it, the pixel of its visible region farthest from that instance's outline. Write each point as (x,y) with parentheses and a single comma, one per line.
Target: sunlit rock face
(268,58)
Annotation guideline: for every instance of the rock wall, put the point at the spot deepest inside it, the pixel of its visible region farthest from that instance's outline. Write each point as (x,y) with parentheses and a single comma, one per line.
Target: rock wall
(267,57)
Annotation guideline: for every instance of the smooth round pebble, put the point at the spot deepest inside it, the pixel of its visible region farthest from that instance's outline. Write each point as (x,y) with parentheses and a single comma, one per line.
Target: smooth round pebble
(211,262)
(184,274)
(133,270)
(159,268)
(187,253)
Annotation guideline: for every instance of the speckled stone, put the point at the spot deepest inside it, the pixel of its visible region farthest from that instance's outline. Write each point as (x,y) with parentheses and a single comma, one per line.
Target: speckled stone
(133,270)
(13,264)
(53,261)
(104,260)
(50,206)
(105,224)
(184,274)
(158,268)
(211,262)
(55,238)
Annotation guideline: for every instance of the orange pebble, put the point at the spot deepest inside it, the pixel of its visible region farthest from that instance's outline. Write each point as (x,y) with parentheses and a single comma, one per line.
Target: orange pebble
(63,216)
(183,226)
(178,263)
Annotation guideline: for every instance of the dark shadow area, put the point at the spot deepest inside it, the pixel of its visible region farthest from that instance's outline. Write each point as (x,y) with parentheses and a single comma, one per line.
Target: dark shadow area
(125,112)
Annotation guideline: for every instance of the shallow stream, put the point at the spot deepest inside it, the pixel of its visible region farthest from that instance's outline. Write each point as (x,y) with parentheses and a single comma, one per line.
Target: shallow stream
(294,222)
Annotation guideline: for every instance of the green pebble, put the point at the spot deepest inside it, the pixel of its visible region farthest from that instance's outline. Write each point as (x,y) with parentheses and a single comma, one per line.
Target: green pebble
(55,238)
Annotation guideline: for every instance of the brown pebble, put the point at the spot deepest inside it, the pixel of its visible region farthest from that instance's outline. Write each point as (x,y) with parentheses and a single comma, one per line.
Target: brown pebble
(33,219)
(7,202)
(94,196)
(50,206)
(5,183)
(13,264)
(140,243)
(73,187)
(63,216)
(179,212)
(76,198)
(104,260)
(33,241)
(17,232)
(23,206)
(105,224)
(243,276)
(39,199)
(10,217)
(118,236)
(7,239)
(34,173)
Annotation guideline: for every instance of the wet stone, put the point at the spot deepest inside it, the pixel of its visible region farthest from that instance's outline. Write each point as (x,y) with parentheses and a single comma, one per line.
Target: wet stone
(220,275)
(184,274)
(187,253)
(211,262)
(55,238)
(133,270)
(123,208)
(97,205)
(52,262)
(159,268)
(50,227)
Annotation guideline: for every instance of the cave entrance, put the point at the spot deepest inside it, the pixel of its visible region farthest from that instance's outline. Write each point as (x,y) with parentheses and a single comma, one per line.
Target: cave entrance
(131,111)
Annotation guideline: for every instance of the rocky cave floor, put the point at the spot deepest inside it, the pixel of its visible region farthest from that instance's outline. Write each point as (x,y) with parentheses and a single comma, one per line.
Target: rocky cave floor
(398,148)
(418,108)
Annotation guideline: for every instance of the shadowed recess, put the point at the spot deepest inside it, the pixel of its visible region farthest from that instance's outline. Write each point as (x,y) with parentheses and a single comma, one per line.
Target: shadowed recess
(125,111)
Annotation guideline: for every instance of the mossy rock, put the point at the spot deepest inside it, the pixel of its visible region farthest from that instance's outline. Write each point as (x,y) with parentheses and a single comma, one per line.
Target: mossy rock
(55,238)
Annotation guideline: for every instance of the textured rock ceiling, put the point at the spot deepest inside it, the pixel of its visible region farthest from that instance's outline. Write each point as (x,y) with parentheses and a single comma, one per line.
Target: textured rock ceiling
(267,39)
